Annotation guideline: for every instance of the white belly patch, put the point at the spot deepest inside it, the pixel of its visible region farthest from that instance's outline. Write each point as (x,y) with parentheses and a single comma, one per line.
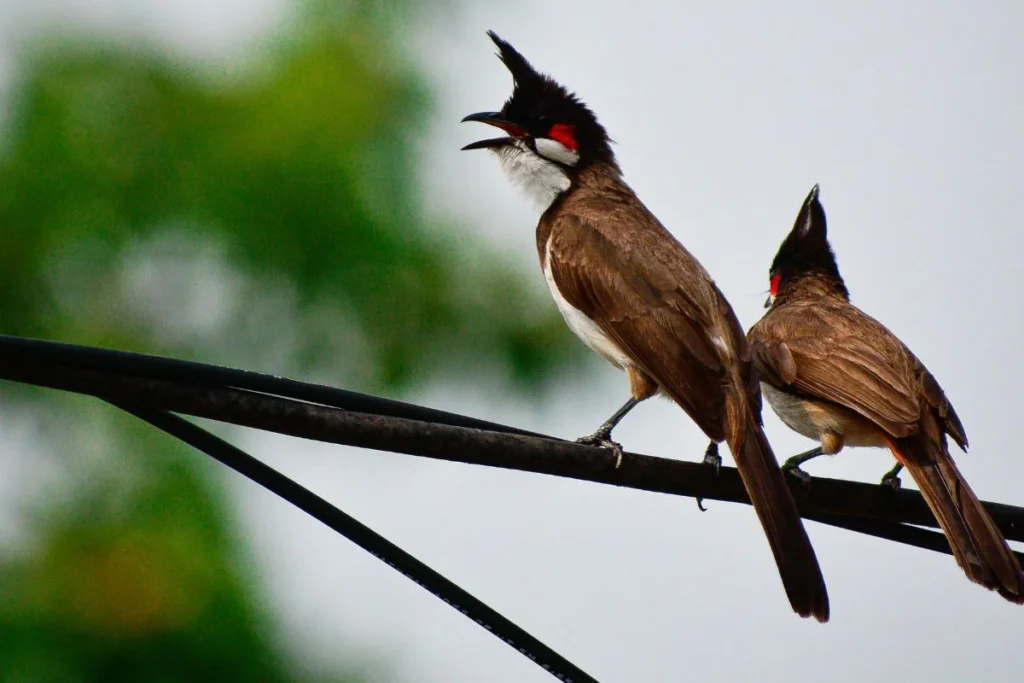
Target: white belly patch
(792,412)
(815,422)
(582,326)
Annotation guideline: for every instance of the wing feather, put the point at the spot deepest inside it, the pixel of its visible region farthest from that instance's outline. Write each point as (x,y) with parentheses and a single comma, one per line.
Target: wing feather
(842,355)
(636,299)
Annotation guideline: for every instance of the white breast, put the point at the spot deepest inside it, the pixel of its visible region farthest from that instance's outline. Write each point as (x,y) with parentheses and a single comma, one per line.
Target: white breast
(582,326)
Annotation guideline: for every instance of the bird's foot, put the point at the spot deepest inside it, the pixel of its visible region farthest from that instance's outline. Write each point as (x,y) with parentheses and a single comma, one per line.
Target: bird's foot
(712,458)
(602,439)
(792,468)
(892,482)
(892,479)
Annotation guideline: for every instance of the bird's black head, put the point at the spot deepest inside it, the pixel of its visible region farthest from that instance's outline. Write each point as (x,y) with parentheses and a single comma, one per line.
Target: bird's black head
(543,117)
(806,251)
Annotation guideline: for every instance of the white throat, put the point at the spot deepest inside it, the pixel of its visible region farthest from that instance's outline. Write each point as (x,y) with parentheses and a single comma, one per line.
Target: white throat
(542,179)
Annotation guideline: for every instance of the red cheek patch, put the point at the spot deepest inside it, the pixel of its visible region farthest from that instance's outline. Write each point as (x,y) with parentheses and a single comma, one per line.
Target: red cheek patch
(564,133)
(775,284)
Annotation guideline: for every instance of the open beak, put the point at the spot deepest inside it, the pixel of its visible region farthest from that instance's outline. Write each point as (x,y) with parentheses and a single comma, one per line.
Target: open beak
(494,118)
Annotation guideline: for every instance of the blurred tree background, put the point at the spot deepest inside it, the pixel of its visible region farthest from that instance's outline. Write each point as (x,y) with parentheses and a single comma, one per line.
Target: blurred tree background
(267,216)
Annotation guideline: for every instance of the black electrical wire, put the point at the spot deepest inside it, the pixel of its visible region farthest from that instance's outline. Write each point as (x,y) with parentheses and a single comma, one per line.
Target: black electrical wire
(907,534)
(145,367)
(365,538)
(158,367)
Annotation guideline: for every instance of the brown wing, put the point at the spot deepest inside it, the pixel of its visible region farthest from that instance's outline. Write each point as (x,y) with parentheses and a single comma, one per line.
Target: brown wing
(936,397)
(653,299)
(832,350)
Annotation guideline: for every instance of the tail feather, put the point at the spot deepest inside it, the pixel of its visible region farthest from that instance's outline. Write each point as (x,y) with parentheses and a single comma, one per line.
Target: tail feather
(979,547)
(774,505)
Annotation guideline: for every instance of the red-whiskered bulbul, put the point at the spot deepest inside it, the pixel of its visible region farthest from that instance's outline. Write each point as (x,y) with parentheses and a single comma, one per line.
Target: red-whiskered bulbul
(633,294)
(836,375)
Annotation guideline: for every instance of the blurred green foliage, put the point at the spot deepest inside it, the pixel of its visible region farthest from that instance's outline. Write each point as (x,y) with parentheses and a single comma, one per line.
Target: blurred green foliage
(146,582)
(293,180)
(265,214)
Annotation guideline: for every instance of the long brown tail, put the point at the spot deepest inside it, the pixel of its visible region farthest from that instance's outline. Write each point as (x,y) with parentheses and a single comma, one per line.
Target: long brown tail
(978,546)
(773,503)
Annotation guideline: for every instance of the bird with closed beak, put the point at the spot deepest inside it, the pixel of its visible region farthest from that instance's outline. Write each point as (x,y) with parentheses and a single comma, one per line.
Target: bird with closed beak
(636,297)
(836,375)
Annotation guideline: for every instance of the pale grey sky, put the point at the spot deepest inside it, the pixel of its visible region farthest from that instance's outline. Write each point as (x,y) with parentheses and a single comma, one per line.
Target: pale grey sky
(909,115)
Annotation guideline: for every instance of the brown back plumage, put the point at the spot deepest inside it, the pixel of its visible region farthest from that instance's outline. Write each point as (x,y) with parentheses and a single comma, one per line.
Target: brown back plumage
(612,260)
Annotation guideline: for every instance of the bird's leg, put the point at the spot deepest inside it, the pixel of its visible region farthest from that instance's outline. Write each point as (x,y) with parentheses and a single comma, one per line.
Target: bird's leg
(792,465)
(711,457)
(602,437)
(892,479)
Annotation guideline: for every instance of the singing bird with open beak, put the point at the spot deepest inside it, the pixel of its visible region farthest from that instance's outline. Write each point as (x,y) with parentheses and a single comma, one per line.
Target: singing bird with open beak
(636,297)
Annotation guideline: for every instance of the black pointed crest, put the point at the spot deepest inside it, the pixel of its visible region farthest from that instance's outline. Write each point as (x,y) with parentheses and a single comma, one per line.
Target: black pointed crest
(806,249)
(539,101)
(523,73)
(811,219)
